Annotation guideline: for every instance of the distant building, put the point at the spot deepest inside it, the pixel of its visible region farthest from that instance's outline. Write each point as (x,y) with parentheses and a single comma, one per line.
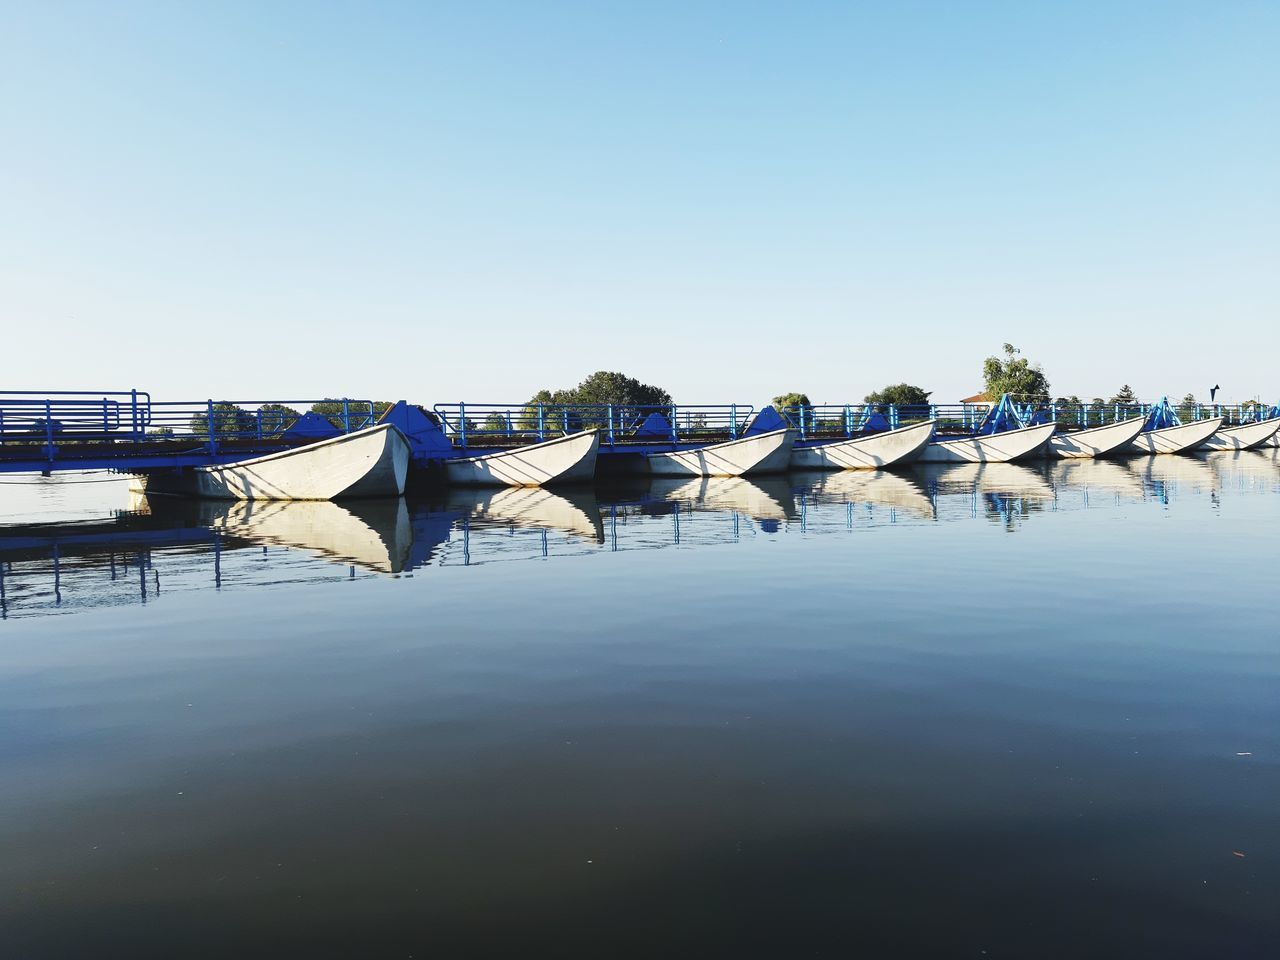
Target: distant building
(977,398)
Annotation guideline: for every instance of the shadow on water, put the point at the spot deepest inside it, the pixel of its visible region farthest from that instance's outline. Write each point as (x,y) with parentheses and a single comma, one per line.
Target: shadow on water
(201,544)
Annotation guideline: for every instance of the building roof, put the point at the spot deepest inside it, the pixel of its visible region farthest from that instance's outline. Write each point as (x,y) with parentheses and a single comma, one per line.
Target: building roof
(977,398)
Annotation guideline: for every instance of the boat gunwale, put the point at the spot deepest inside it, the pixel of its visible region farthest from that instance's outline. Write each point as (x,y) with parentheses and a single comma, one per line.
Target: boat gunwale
(1053,427)
(819,444)
(1183,426)
(540,445)
(306,448)
(720,444)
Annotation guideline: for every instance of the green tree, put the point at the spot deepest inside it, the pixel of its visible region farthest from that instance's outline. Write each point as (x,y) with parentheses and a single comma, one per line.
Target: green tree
(496,423)
(357,411)
(900,394)
(1187,408)
(630,399)
(1126,396)
(608,387)
(228,421)
(276,418)
(786,401)
(1015,375)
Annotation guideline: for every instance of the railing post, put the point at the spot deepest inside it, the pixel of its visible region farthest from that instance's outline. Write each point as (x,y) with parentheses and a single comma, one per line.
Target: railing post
(675,433)
(213,443)
(610,424)
(133,413)
(48,430)
(733,421)
(542,424)
(346,415)
(259,423)
(507,417)
(462,423)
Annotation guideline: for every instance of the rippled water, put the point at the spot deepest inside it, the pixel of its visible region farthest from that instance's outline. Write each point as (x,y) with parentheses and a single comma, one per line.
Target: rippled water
(1003,711)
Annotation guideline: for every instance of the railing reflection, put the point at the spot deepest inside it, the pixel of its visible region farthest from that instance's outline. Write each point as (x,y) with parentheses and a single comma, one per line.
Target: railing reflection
(161,545)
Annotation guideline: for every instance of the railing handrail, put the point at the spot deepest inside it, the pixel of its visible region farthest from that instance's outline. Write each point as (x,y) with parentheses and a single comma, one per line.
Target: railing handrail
(465,421)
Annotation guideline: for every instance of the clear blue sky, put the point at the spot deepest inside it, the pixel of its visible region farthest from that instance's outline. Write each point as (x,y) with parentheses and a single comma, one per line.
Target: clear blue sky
(475,200)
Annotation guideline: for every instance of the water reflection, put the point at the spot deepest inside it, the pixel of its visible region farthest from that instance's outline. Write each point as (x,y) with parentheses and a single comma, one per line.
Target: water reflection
(163,544)
(374,535)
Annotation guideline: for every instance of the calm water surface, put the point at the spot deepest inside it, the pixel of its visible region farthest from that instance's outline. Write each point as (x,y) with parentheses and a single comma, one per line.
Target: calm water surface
(957,712)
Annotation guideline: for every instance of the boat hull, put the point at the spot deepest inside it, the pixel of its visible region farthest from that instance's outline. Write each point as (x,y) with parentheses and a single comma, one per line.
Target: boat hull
(866,453)
(763,453)
(1246,436)
(1094,442)
(1179,439)
(992,448)
(366,463)
(567,459)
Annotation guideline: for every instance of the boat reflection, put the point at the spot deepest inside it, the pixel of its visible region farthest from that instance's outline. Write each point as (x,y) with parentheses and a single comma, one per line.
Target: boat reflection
(1094,476)
(760,498)
(162,545)
(1000,479)
(1164,477)
(572,511)
(876,488)
(374,535)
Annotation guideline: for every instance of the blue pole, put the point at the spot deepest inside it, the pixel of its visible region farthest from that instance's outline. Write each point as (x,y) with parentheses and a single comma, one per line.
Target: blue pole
(213,445)
(48,430)
(462,422)
(733,421)
(542,426)
(346,415)
(610,412)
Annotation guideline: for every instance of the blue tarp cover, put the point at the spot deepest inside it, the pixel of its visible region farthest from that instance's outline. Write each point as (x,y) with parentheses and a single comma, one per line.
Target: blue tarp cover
(426,439)
(654,425)
(766,421)
(1162,415)
(312,426)
(874,421)
(1001,418)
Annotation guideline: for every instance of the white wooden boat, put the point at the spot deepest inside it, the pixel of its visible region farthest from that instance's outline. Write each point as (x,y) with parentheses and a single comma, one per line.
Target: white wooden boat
(366,463)
(375,535)
(761,498)
(567,459)
(1245,436)
(1182,438)
(574,511)
(990,448)
(1095,441)
(761,453)
(866,453)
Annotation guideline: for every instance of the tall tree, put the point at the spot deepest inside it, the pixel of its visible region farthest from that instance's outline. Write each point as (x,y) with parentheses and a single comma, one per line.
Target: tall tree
(606,387)
(1126,396)
(1015,375)
(786,400)
(630,399)
(900,394)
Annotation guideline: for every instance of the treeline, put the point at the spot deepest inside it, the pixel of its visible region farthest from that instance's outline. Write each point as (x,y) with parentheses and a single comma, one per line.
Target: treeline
(230,420)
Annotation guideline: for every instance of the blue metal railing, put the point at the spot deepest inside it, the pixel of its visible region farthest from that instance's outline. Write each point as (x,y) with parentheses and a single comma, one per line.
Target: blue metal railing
(470,424)
(60,421)
(827,420)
